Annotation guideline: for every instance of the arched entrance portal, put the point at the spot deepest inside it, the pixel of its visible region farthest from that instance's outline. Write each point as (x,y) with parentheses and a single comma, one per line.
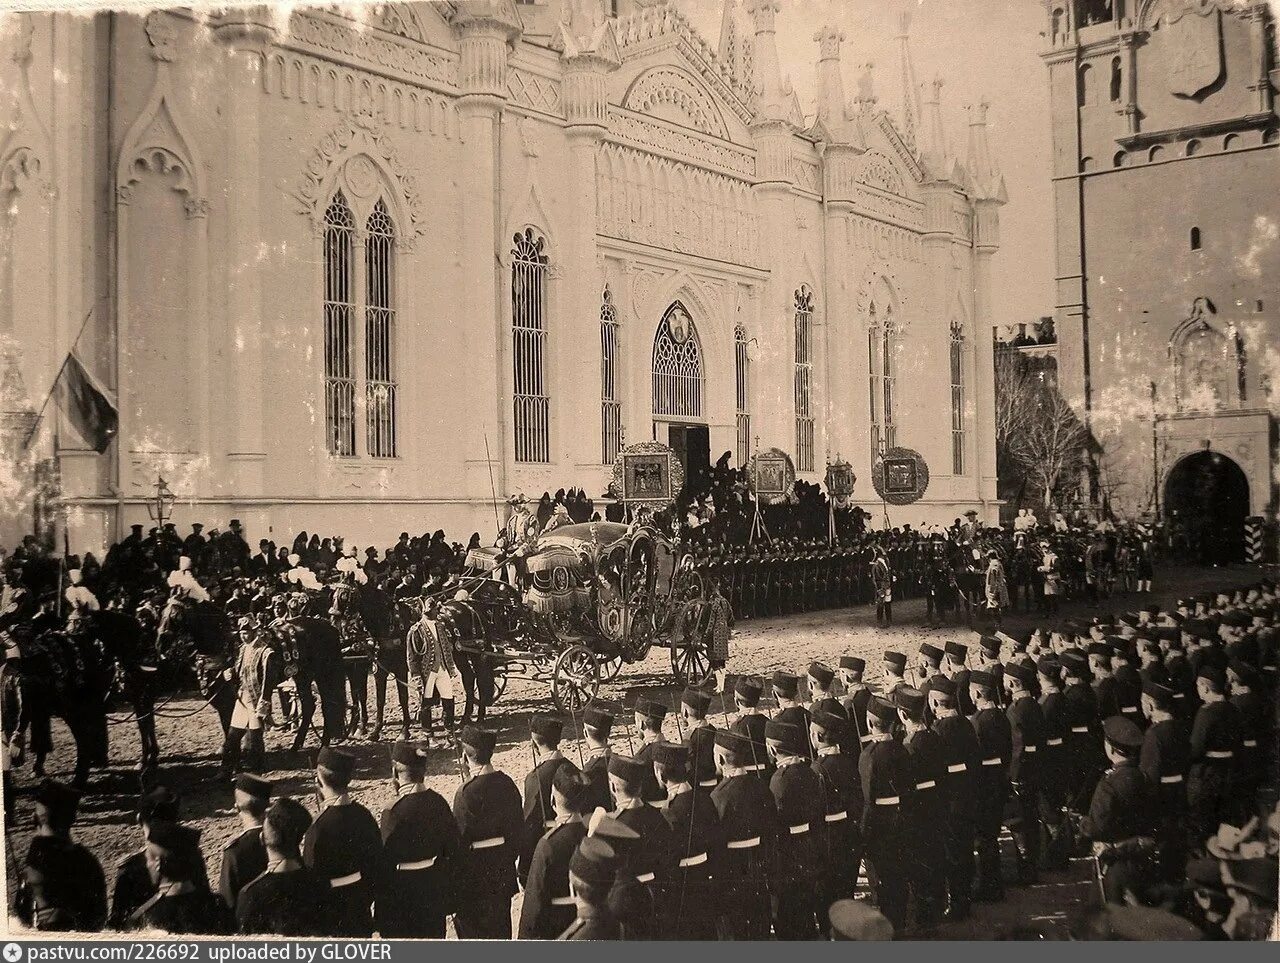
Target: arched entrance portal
(679,387)
(1207,494)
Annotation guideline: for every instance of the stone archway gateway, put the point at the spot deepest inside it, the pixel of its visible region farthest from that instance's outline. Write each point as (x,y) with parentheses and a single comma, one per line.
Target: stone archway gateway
(1208,493)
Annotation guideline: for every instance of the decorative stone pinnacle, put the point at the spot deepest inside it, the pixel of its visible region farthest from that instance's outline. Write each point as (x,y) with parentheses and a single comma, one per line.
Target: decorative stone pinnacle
(829,39)
(163,36)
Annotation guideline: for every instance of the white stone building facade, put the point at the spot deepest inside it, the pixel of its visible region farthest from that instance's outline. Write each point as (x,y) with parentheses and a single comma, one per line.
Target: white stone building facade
(356,277)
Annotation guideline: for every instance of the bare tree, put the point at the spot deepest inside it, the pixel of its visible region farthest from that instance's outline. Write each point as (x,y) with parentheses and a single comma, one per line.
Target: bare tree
(1052,448)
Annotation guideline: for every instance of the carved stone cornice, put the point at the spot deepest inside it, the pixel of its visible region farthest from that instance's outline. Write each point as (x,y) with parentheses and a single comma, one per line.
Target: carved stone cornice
(332,38)
(245,28)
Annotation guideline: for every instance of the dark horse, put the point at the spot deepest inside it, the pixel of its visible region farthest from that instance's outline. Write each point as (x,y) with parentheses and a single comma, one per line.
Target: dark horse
(312,651)
(198,634)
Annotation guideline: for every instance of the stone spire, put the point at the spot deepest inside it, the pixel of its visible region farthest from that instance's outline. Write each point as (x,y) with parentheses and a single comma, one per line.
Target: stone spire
(736,45)
(910,119)
(935,157)
(988,183)
(775,98)
(866,98)
(834,123)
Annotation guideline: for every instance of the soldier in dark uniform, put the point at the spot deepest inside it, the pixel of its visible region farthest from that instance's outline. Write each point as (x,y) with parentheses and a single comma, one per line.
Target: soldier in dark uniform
(61,886)
(887,787)
(895,672)
(488,811)
(244,858)
(749,821)
(596,726)
(1104,683)
(962,755)
(1027,728)
(133,884)
(344,845)
(1166,747)
(1251,764)
(954,668)
(797,794)
(649,717)
(996,741)
(857,695)
(593,867)
(421,850)
(1084,760)
(927,811)
(182,903)
(1121,812)
(548,908)
(692,901)
(1128,682)
(700,736)
(539,815)
(1215,740)
(786,690)
(1053,763)
(842,808)
(288,899)
(651,860)
(989,662)
(751,721)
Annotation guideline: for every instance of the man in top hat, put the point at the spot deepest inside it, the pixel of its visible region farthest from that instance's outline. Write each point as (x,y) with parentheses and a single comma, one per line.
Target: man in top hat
(649,717)
(488,810)
(244,858)
(928,809)
(700,736)
(1215,741)
(182,903)
(749,821)
(698,843)
(420,847)
(786,690)
(596,726)
(797,794)
(61,886)
(193,545)
(343,845)
(962,756)
(842,805)
(887,787)
(652,859)
(288,899)
(548,904)
(1166,748)
(857,695)
(545,732)
(1027,728)
(1121,811)
(996,740)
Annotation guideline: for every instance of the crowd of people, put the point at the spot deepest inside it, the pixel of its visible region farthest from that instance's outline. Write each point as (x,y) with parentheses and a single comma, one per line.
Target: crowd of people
(1144,740)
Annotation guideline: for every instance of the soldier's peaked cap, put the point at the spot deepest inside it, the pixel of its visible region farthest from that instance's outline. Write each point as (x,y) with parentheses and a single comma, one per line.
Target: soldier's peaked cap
(696,699)
(827,721)
(547,727)
(942,684)
(982,678)
(595,861)
(783,732)
(989,644)
(598,719)
(881,709)
(788,683)
(671,754)
(733,741)
(482,740)
(749,689)
(1020,671)
(337,762)
(931,652)
(1123,734)
(896,659)
(853,663)
(956,650)
(407,754)
(254,786)
(627,768)
(911,701)
(820,673)
(1049,668)
(651,709)
(1162,695)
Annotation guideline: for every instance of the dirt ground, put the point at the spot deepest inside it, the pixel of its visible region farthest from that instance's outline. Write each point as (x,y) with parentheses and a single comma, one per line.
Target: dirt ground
(190,745)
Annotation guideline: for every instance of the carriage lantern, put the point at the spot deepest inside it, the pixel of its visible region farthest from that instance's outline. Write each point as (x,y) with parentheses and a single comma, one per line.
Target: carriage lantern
(160,507)
(840,479)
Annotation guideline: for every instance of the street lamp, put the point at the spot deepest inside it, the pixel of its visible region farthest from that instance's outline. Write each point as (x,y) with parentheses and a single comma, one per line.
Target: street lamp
(160,507)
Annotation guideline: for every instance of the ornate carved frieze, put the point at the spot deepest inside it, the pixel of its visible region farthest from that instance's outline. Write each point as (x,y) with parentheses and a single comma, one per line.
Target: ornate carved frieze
(537,93)
(325,36)
(807,174)
(627,126)
(883,241)
(307,80)
(900,150)
(669,93)
(654,200)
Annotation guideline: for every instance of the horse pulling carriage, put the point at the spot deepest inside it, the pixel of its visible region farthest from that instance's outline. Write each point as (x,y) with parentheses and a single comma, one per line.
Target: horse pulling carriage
(587,599)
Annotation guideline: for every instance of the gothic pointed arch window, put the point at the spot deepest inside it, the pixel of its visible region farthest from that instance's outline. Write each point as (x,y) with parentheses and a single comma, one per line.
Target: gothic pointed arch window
(610,404)
(956,354)
(339,313)
(742,388)
(380,334)
(882,346)
(532,422)
(804,378)
(677,366)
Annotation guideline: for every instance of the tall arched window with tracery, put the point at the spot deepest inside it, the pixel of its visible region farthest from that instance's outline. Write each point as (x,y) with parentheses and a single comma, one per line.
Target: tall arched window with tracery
(804,378)
(677,366)
(532,423)
(610,405)
(380,334)
(339,312)
(956,346)
(881,347)
(741,382)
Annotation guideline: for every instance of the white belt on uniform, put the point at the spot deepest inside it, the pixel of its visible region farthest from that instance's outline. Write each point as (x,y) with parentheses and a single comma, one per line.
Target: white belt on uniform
(836,817)
(1219,754)
(957,767)
(1179,695)
(563,901)
(489,843)
(1169,780)
(865,739)
(341,881)
(1057,741)
(1028,748)
(708,784)
(416,864)
(646,878)
(751,843)
(1080,730)
(799,829)
(755,767)
(888,801)
(927,784)
(1250,743)
(693,860)
(548,823)
(991,762)
(1128,708)
(659,803)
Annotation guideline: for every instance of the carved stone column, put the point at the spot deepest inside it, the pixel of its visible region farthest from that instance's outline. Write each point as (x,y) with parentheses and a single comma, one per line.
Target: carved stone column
(486,31)
(986,240)
(843,396)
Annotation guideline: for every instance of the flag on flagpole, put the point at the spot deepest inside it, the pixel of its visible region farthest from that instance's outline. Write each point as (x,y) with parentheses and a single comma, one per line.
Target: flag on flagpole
(87,405)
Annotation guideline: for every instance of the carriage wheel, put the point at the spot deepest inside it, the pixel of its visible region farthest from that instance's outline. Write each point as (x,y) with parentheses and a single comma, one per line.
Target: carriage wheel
(610,668)
(575,680)
(690,660)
